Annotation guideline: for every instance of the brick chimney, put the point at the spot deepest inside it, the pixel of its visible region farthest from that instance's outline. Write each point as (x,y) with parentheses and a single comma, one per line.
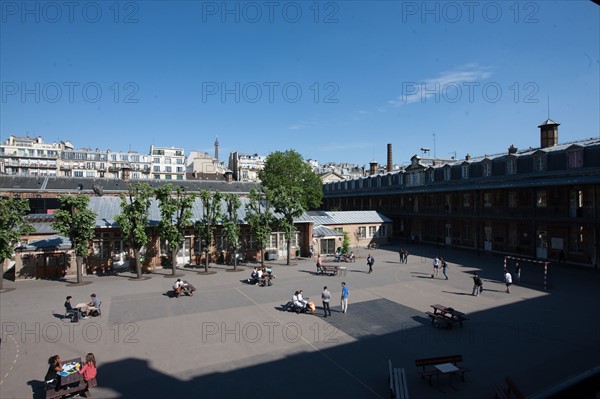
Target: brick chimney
(389,158)
(373,167)
(229,176)
(467,157)
(548,133)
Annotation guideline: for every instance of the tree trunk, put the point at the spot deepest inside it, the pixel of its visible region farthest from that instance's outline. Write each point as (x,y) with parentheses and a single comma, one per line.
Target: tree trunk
(138,264)
(262,255)
(79,263)
(289,250)
(206,261)
(173,261)
(2,273)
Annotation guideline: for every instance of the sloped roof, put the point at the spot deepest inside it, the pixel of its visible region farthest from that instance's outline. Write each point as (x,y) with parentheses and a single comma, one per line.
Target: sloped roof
(322,231)
(347,217)
(52,242)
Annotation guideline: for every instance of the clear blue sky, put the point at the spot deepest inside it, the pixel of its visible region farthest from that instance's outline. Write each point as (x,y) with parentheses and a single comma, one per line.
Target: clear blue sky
(370,73)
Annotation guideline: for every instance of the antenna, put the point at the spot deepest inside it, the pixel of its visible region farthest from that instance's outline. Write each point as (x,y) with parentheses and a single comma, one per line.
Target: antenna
(548,107)
(434,145)
(453,152)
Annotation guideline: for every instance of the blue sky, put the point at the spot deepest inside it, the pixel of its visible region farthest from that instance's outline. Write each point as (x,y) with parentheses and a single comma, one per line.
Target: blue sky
(336,81)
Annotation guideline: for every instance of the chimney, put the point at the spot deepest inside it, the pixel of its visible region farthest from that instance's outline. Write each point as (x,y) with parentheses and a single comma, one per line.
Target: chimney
(548,133)
(389,158)
(373,168)
(229,176)
(512,149)
(467,157)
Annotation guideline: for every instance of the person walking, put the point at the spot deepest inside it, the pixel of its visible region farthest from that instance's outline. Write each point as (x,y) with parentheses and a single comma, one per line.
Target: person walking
(401,254)
(326,296)
(507,280)
(370,261)
(344,297)
(444,267)
(406,253)
(477,284)
(436,267)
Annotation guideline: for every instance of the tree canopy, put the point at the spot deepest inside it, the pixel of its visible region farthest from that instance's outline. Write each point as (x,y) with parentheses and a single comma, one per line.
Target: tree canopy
(133,219)
(12,226)
(259,216)
(74,220)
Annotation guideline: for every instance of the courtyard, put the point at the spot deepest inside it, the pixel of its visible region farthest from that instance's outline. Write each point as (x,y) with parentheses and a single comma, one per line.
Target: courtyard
(232,340)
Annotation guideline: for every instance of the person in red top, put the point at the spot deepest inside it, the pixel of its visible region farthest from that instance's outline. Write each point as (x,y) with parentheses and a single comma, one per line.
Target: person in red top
(89,368)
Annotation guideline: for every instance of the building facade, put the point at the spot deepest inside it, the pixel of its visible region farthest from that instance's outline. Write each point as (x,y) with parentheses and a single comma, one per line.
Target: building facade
(28,156)
(168,163)
(541,203)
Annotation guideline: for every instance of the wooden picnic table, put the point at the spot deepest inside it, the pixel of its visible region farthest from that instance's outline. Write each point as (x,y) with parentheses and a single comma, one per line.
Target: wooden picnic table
(446,314)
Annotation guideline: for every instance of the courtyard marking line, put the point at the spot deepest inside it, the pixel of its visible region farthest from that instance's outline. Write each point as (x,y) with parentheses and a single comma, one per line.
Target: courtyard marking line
(14,361)
(314,347)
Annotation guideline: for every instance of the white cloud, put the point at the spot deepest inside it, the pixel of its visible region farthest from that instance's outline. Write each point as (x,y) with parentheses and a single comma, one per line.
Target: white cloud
(447,82)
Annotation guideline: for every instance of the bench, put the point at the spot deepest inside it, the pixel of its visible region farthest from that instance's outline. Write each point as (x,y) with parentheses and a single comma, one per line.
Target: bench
(508,390)
(428,370)
(52,392)
(329,270)
(398,385)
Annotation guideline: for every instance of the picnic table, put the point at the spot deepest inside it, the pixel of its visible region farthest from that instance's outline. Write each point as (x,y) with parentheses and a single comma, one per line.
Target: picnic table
(70,381)
(446,316)
(329,270)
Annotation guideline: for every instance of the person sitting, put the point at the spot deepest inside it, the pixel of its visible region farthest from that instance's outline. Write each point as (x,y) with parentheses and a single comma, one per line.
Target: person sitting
(253,276)
(259,276)
(70,311)
(54,367)
(177,288)
(88,370)
(93,305)
(301,298)
(299,306)
(338,256)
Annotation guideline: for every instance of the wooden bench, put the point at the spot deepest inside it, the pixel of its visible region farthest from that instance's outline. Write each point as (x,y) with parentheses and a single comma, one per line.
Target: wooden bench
(329,270)
(508,390)
(52,392)
(398,385)
(428,370)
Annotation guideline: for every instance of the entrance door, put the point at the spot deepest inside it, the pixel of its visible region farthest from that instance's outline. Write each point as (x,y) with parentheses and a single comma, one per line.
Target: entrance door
(487,238)
(183,254)
(448,234)
(541,250)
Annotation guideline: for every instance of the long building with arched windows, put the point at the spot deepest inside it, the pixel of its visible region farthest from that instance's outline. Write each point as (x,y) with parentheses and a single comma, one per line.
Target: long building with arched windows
(541,203)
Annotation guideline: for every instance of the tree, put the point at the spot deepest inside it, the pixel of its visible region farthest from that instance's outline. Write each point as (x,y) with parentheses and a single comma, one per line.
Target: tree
(231,225)
(206,226)
(133,219)
(293,187)
(346,243)
(74,220)
(259,217)
(176,214)
(12,226)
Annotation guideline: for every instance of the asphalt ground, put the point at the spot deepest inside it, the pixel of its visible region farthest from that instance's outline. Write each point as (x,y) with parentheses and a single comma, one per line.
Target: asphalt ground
(232,340)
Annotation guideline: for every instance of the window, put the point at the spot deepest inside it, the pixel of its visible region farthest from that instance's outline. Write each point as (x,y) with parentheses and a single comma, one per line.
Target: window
(156,160)
(383,231)
(156,168)
(577,239)
(575,158)
(78,155)
(576,203)
(362,232)
(180,177)
(512,199)
(540,199)
(447,173)
(113,157)
(539,163)
(179,161)
(30,153)
(135,158)
(168,161)
(511,166)
(78,173)
(487,200)
(90,173)
(168,169)
(157,177)
(179,169)
(465,171)
(466,200)
(135,175)
(372,231)
(169,177)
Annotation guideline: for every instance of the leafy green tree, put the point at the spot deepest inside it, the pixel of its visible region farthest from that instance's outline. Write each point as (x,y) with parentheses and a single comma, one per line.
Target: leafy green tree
(259,216)
(12,226)
(134,219)
(231,225)
(74,220)
(206,226)
(346,243)
(176,214)
(293,187)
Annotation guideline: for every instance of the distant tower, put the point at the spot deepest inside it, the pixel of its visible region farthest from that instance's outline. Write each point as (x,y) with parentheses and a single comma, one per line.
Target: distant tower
(548,133)
(373,167)
(217,148)
(389,158)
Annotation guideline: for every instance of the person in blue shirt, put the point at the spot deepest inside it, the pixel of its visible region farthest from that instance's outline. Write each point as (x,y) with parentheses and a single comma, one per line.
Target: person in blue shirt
(344,297)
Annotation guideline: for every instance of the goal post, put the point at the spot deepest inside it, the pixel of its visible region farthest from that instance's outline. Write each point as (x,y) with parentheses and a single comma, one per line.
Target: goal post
(518,263)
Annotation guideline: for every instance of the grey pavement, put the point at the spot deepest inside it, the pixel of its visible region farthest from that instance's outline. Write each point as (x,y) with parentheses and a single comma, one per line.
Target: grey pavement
(232,340)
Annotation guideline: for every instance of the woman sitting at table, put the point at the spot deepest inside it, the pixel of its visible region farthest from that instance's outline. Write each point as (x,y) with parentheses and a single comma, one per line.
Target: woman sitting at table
(89,369)
(55,366)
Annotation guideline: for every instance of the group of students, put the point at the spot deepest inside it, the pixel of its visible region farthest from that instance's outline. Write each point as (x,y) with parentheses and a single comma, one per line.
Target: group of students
(261,276)
(55,366)
(478,284)
(84,309)
(301,304)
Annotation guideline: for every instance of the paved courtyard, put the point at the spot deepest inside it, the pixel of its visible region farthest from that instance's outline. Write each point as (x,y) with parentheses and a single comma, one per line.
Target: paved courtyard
(231,340)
